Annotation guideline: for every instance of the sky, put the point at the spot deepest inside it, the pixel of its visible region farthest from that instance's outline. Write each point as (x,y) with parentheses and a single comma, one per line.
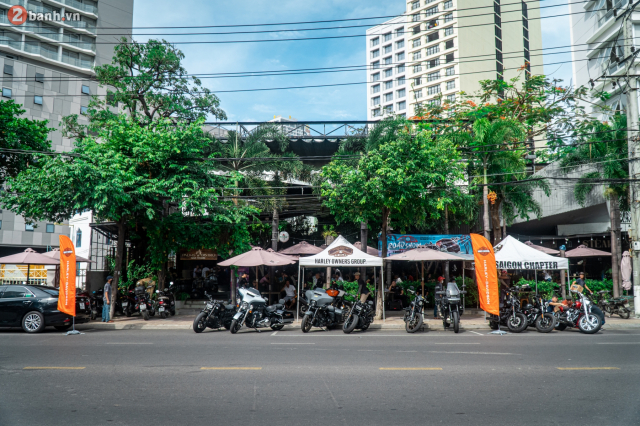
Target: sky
(346,102)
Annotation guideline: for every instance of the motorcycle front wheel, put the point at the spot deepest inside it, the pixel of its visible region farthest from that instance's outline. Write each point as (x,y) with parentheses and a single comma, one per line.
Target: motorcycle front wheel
(545,323)
(235,326)
(198,324)
(305,325)
(517,323)
(590,325)
(277,327)
(413,326)
(350,324)
(455,319)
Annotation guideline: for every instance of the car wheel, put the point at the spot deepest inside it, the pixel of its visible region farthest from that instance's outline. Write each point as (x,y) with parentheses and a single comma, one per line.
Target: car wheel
(33,322)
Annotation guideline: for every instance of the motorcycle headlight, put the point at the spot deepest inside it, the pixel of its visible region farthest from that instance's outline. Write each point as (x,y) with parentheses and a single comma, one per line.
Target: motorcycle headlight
(245,305)
(251,307)
(313,303)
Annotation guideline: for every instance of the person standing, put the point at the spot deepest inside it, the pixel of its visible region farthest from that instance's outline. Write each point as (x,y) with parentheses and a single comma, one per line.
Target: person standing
(106,300)
(362,288)
(437,297)
(594,308)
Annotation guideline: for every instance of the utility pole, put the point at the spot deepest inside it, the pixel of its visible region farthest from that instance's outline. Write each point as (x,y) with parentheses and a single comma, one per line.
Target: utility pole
(633,150)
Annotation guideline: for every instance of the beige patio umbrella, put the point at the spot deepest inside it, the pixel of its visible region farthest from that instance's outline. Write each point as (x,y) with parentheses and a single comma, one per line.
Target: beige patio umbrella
(28,257)
(55,254)
(370,250)
(546,250)
(301,249)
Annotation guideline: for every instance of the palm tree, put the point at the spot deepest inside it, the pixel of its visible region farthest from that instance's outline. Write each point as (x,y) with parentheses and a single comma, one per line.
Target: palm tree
(604,149)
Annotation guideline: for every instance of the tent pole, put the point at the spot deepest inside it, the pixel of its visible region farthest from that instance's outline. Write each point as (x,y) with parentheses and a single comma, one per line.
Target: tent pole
(422,278)
(28,271)
(298,298)
(384,318)
(463,262)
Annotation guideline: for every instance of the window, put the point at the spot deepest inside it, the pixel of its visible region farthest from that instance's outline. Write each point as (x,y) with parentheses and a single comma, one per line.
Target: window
(376,65)
(37,100)
(387,37)
(401,93)
(388,97)
(388,72)
(448,17)
(111,99)
(51,228)
(448,4)
(28,227)
(417,68)
(375,112)
(374,54)
(401,81)
(431,11)
(387,49)
(84,110)
(451,98)
(388,109)
(388,85)
(433,76)
(451,84)
(79,238)
(417,81)
(375,89)
(415,18)
(415,43)
(400,68)
(434,102)
(15,292)
(86,90)
(433,90)
(399,44)
(526,44)
(451,71)
(0,224)
(448,44)
(433,50)
(432,24)
(433,63)
(399,56)
(417,55)
(39,77)
(498,32)
(400,32)
(416,30)
(387,60)
(375,42)
(433,37)
(8,69)
(402,106)
(375,77)
(418,93)
(448,31)
(6,93)
(375,101)
(415,5)
(498,44)
(525,32)
(450,57)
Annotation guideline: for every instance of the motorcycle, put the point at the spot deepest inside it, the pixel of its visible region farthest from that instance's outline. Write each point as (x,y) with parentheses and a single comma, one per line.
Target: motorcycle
(360,316)
(414,313)
(578,314)
(618,306)
(510,314)
(321,312)
(216,314)
(164,304)
(254,312)
(143,303)
(451,306)
(538,316)
(128,302)
(97,302)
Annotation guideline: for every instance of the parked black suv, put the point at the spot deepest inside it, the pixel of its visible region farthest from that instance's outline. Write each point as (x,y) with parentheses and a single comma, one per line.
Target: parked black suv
(34,307)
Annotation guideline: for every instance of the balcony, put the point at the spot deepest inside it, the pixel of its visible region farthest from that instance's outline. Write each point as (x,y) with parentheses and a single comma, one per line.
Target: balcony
(608,11)
(82,25)
(10,39)
(89,8)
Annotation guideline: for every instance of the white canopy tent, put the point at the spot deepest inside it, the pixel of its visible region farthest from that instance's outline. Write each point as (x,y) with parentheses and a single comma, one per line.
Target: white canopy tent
(341,253)
(512,254)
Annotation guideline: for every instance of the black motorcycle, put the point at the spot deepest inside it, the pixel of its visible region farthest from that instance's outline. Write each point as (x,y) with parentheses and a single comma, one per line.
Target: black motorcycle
(321,312)
(165,304)
(618,306)
(414,313)
(254,312)
(143,303)
(538,317)
(216,314)
(451,306)
(360,317)
(511,314)
(97,302)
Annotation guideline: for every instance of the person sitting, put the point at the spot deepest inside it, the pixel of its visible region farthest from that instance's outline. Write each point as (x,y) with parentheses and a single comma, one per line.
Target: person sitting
(554,305)
(244,280)
(290,294)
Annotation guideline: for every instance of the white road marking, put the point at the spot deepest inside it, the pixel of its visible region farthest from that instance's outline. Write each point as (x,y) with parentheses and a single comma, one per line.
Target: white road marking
(474,332)
(274,333)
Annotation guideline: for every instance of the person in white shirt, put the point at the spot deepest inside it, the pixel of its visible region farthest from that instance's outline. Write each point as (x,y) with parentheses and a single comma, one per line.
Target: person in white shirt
(205,272)
(398,279)
(290,294)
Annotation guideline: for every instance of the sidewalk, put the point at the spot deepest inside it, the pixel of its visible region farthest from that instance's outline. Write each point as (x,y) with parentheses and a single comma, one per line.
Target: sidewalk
(185,322)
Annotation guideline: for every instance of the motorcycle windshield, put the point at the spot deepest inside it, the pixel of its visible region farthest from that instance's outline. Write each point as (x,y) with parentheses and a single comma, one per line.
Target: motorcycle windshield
(452,290)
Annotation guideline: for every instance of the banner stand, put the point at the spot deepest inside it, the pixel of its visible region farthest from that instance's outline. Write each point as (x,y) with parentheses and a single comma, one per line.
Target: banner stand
(74,331)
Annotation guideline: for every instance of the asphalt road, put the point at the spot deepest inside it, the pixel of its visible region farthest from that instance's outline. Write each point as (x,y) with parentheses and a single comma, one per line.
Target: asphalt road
(383,377)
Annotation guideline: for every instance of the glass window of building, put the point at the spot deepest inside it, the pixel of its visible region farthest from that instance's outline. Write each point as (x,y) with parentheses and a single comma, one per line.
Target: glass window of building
(433,63)
(51,228)
(448,4)
(402,106)
(433,76)
(375,77)
(6,93)
(39,77)
(401,81)
(375,101)
(375,41)
(451,84)
(448,17)
(375,53)
(399,56)
(399,44)
(448,31)
(37,100)
(433,50)
(388,85)
(448,44)
(418,93)
(387,49)
(451,71)
(417,68)
(433,90)
(415,43)
(400,68)
(431,11)
(387,37)
(375,89)
(401,93)
(28,227)
(388,97)
(388,72)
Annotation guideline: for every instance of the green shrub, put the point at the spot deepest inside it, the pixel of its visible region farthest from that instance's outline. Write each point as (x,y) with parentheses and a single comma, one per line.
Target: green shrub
(547,289)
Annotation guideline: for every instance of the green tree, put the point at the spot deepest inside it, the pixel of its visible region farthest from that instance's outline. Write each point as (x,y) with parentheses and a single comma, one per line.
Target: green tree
(17,134)
(403,183)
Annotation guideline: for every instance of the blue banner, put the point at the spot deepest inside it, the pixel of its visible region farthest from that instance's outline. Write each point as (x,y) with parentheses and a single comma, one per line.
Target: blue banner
(399,243)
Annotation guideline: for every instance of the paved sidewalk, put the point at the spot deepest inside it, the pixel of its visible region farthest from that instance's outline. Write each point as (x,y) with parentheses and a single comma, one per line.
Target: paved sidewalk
(467,322)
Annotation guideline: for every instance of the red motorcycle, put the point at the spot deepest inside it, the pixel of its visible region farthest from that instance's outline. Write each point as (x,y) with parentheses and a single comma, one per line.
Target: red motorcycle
(578,314)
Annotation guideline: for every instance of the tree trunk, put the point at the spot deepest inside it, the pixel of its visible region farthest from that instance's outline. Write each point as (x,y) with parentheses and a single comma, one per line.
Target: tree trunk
(615,233)
(380,291)
(274,230)
(364,228)
(485,203)
(495,222)
(117,273)
(446,232)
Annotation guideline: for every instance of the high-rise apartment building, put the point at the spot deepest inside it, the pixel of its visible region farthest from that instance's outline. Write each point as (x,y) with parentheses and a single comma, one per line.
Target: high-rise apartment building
(451,45)
(386,62)
(46,65)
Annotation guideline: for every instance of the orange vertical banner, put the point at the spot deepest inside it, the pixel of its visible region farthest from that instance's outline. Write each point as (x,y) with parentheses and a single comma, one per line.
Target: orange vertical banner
(486,274)
(67,298)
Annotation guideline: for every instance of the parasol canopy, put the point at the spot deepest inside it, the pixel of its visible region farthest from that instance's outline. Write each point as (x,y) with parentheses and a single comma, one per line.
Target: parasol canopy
(542,248)
(29,257)
(584,251)
(370,250)
(424,255)
(257,257)
(301,249)
(286,256)
(55,254)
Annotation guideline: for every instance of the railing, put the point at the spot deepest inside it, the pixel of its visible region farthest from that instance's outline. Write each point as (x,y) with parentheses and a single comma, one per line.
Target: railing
(610,13)
(80,44)
(13,2)
(7,40)
(81,6)
(78,62)
(83,25)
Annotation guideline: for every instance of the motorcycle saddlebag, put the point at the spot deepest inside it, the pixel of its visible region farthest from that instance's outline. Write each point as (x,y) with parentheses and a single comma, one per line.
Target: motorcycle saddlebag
(287,316)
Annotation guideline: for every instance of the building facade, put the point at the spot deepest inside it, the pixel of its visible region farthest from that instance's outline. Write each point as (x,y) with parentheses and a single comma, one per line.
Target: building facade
(46,66)
(451,45)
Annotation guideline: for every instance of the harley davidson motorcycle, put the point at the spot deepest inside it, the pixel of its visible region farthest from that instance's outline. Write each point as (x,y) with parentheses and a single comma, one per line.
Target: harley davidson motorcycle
(617,306)
(538,316)
(510,314)
(321,312)
(252,311)
(414,313)
(451,306)
(360,317)
(216,314)
(578,314)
